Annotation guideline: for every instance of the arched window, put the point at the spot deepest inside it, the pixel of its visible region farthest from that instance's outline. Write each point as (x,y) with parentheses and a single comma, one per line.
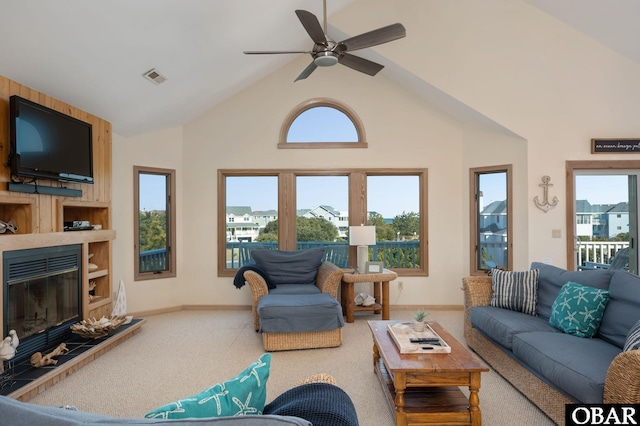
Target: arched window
(322,123)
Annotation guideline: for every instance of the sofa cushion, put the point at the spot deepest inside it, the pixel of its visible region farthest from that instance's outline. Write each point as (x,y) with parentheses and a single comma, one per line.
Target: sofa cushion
(552,278)
(514,290)
(575,365)
(500,325)
(295,313)
(633,338)
(289,266)
(578,309)
(242,395)
(623,309)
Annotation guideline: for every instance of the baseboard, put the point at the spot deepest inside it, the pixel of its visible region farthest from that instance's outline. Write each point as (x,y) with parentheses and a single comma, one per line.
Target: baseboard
(167,310)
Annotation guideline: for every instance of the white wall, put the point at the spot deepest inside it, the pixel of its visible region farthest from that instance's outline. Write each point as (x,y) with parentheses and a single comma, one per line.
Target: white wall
(402,131)
(160,149)
(484,148)
(527,71)
(552,87)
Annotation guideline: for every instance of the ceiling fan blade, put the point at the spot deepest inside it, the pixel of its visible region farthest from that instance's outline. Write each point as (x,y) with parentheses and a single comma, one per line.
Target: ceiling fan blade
(373,38)
(273,52)
(306,72)
(312,25)
(360,64)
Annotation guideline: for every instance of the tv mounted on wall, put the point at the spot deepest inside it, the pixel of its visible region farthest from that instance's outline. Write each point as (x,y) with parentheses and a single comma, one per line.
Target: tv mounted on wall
(48,144)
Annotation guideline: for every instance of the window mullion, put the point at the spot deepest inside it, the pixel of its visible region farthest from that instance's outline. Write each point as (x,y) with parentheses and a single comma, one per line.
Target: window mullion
(287,211)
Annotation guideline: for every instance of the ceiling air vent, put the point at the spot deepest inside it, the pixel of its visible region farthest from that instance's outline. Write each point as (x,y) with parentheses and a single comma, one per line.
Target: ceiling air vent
(154,76)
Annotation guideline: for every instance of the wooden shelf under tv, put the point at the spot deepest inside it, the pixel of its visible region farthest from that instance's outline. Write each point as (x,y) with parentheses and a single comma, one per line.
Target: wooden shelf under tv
(96,213)
(21,212)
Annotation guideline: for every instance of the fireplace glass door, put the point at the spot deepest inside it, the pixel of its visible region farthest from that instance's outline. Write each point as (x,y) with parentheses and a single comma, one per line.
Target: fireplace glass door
(41,290)
(39,303)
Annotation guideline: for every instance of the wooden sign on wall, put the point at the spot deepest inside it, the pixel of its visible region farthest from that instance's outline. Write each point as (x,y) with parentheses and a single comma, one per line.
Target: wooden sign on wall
(615,146)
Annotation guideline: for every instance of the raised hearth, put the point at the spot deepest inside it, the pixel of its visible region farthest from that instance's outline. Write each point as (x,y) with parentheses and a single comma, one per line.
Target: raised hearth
(28,381)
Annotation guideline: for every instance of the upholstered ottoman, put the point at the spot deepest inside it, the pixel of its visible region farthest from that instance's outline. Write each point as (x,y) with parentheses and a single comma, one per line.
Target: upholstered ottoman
(300,321)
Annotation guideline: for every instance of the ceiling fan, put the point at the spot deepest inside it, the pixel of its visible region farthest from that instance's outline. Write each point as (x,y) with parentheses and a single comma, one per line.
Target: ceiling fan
(327,52)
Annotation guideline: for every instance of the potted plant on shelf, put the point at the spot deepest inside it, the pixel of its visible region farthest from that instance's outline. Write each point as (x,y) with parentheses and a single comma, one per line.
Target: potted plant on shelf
(418,320)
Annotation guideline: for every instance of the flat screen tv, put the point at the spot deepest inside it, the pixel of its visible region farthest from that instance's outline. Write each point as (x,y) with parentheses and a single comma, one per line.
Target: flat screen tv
(47,144)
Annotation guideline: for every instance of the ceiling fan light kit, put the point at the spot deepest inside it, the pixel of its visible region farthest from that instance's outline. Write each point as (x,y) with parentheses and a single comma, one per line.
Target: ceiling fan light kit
(326,52)
(326,59)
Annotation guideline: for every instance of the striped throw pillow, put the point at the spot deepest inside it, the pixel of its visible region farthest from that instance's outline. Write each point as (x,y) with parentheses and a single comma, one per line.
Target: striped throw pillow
(516,291)
(633,338)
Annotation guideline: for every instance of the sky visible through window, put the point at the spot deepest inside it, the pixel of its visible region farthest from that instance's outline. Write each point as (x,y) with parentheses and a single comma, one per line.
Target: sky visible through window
(322,124)
(388,195)
(152,192)
(260,193)
(602,189)
(493,187)
(597,189)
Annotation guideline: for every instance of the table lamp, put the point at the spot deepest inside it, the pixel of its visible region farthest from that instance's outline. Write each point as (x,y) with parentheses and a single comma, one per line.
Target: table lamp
(363,237)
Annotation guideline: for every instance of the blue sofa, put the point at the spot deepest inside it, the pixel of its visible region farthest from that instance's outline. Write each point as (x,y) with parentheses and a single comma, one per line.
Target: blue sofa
(550,367)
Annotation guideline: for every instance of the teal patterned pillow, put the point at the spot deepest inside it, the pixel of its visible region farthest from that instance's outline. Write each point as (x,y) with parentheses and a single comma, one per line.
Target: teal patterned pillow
(578,309)
(516,291)
(243,395)
(633,338)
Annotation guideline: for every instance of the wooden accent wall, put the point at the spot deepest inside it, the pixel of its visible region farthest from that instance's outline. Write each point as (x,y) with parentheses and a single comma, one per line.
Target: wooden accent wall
(45,209)
(40,217)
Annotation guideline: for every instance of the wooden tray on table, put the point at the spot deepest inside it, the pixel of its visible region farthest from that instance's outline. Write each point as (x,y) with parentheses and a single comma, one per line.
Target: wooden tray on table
(402,332)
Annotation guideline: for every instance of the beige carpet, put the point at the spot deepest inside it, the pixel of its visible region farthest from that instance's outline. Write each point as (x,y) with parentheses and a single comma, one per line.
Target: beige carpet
(182,353)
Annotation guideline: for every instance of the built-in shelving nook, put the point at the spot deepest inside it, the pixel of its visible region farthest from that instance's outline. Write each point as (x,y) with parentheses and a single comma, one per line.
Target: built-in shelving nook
(40,217)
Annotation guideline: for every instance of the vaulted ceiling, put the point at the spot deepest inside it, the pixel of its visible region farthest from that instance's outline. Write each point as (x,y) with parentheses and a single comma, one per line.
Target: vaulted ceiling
(93,54)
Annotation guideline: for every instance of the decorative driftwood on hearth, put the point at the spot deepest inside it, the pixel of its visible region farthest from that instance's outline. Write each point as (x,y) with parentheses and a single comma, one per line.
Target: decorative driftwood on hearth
(95,329)
(38,360)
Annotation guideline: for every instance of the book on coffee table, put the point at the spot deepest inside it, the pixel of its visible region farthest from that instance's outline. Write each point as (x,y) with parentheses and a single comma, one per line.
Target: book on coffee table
(410,341)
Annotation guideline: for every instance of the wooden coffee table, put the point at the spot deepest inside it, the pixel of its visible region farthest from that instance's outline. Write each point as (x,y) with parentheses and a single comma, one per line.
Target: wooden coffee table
(424,388)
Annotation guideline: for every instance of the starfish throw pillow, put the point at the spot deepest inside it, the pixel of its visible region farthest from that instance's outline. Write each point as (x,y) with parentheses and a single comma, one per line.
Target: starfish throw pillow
(242,395)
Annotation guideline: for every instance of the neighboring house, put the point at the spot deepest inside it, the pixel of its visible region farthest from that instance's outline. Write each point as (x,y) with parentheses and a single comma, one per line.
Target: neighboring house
(601,220)
(493,233)
(339,219)
(262,217)
(494,214)
(585,219)
(241,225)
(617,219)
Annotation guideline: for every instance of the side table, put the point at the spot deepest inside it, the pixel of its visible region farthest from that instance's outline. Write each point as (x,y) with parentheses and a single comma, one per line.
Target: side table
(380,293)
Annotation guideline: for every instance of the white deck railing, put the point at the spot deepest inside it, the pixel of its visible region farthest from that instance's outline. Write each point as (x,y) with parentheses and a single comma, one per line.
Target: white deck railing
(598,251)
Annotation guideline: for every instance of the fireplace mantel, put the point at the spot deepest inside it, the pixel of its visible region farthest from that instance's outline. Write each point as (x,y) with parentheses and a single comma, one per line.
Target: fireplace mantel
(24,241)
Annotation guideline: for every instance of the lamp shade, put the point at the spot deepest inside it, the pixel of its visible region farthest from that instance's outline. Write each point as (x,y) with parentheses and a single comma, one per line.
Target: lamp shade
(362,235)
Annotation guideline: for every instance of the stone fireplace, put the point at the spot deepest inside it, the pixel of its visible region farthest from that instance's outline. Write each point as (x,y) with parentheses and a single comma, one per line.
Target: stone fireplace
(41,296)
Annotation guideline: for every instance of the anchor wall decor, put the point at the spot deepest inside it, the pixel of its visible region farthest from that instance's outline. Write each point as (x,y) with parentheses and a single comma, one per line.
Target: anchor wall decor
(545,205)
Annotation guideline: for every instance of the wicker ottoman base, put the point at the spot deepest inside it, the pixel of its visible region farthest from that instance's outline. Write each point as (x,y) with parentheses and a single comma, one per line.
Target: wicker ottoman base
(307,340)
